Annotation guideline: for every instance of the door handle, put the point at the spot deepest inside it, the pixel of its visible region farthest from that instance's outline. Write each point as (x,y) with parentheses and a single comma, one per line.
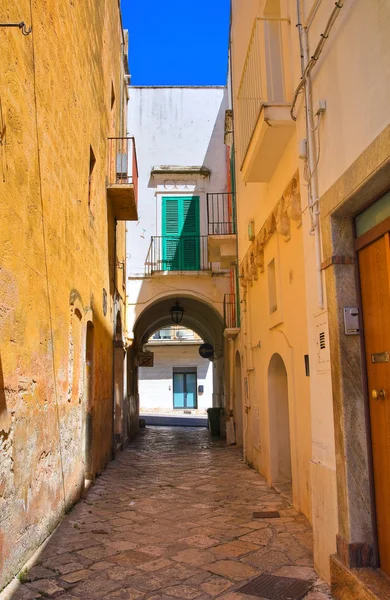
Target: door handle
(378,394)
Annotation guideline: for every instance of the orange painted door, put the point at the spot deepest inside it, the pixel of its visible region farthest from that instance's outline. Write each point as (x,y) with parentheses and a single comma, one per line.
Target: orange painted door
(374,263)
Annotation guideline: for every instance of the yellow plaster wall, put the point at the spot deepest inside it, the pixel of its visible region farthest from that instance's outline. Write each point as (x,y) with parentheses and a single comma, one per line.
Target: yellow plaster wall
(57,255)
(351,77)
(286,333)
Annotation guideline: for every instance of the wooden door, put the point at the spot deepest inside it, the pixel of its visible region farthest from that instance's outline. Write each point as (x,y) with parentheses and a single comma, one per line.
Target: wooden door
(374,263)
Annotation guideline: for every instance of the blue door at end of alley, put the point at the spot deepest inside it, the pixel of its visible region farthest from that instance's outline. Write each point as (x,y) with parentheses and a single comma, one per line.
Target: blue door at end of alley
(180,233)
(184,390)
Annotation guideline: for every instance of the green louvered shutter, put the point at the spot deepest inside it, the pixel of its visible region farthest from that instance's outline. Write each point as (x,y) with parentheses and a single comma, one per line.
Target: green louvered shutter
(171,233)
(190,234)
(180,230)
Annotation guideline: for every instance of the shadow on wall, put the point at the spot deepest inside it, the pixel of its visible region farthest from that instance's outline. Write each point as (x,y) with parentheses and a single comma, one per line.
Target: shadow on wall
(4,417)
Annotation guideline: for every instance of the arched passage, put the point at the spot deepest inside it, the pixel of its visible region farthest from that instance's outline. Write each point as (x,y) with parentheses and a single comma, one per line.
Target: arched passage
(279,422)
(238,400)
(200,317)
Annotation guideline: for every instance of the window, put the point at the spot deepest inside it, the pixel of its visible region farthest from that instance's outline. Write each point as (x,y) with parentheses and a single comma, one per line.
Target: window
(273,304)
(112,95)
(180,231)
(92,162)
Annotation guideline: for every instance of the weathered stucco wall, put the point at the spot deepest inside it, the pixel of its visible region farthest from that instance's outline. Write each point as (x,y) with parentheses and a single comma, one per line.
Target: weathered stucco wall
(57,257)
(180,126)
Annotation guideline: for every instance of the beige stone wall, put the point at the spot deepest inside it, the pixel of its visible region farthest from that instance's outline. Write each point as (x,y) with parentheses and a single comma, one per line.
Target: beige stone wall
(57,256)
(276,212)
(349,77)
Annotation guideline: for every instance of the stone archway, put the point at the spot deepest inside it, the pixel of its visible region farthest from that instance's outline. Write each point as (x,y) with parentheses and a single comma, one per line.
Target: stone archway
(199,316)
(279,422)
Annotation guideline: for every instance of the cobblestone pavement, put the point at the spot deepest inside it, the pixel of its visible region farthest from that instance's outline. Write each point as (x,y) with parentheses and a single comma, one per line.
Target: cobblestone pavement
(172,518)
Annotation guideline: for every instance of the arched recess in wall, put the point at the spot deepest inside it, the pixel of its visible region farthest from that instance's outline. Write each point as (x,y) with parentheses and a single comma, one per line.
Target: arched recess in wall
(119,370)
(279,421)
(75,375)
(88,401)
(238,400)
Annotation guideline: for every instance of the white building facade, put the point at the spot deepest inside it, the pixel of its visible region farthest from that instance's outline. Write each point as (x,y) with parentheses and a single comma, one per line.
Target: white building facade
(181,381)
(183,161)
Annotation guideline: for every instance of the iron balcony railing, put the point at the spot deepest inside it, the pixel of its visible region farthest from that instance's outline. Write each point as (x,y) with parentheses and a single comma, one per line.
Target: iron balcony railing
(230,311)
(122,162)
(266,76)
(221,213)
(177,253)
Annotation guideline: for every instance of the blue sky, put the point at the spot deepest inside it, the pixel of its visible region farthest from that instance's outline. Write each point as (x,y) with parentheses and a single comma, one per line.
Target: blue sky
(177,42)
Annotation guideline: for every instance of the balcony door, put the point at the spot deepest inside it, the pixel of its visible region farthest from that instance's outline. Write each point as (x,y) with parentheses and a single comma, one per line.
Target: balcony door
(180,231)
(184,390)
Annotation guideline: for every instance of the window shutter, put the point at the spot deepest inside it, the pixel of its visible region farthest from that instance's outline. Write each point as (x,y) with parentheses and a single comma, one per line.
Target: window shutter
(170,216)
(190,253)
(172,254)
(180,230)
(190,216)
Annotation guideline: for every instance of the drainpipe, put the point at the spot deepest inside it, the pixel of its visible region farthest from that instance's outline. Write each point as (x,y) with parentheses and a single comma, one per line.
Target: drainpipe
(308,64)
(311,157)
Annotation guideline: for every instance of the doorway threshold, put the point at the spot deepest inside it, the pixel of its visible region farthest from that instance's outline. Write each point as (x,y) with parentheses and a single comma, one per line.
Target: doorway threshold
(181,420)
(358,584)
(285,490)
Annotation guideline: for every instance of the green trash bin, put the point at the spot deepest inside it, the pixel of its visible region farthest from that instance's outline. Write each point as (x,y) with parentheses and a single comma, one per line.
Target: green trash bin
(213,415)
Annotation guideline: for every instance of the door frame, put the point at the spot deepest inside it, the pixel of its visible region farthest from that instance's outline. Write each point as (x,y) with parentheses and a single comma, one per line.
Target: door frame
(185,371)
(361,182)
(369,237)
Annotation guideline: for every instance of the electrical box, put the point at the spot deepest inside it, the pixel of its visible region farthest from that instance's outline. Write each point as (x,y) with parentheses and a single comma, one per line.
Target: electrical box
(351,320)
(302,149)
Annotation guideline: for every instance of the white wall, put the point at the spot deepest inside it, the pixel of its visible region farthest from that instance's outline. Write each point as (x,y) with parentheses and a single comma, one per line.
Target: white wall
(180,126)
(156,383)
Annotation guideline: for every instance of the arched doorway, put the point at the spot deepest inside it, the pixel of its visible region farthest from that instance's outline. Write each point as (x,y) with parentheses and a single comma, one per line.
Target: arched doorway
(119,370)
(279,422)
(88,402)
(238,400)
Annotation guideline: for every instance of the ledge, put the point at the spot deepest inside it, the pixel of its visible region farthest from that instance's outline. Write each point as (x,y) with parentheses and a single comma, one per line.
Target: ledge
(200,171)
(231,332)
(358,584)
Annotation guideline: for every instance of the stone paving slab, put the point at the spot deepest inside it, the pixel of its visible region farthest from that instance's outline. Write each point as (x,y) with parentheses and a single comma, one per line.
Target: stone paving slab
(171,518)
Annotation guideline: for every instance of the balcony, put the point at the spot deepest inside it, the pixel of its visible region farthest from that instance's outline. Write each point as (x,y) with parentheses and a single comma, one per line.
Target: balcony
(231,315)
(264,99)
(177,254)
(222,229)
(122,178)
(176,334)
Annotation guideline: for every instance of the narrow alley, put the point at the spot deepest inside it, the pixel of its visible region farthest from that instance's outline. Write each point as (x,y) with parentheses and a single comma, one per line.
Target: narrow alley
(174,516)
